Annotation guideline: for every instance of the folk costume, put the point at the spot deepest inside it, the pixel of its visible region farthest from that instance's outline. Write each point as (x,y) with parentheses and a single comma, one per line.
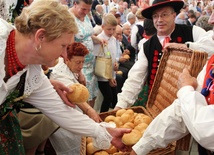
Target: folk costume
(142,73)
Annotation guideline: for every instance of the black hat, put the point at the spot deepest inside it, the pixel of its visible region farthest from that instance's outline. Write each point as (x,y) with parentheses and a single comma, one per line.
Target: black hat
(176,4)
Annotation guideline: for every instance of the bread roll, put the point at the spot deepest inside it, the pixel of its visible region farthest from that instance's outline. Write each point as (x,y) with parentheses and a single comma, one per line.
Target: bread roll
(141,127)
(128,125)
(126,56)
(101,153)
(119,72)
(109,118)
(118,121)
(112,149)
(90,149)
(142,118)
(79,94)
(120,112)
(89,140)
(132,137)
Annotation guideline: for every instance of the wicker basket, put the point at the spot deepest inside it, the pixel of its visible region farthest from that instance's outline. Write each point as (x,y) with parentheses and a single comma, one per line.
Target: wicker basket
(164,89)
(169,150)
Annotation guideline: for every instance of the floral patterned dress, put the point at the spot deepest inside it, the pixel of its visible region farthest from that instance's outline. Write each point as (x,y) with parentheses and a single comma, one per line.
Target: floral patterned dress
(84,36)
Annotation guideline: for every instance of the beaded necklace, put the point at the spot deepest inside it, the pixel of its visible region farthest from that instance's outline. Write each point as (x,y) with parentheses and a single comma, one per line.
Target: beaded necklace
(14,65)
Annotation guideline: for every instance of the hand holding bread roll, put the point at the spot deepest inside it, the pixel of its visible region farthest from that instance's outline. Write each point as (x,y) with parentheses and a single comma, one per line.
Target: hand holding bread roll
(79,94)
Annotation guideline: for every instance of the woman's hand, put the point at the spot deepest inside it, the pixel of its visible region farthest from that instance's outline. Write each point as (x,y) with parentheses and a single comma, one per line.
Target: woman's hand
(93,114)
(62,90)
(117,134)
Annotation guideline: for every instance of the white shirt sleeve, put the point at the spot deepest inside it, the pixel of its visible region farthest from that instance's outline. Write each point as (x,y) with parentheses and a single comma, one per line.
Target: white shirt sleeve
(133,84)
(49,103)
(202,41)
(197,115)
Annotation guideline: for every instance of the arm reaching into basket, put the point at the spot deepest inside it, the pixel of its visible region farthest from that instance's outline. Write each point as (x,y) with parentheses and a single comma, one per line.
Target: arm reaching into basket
(191,112)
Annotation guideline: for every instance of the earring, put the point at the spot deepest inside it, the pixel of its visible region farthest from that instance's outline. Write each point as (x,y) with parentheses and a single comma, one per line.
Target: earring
(38,48)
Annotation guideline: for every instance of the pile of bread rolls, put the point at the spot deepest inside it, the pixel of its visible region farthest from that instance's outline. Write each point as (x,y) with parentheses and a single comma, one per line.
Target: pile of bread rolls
(138,122)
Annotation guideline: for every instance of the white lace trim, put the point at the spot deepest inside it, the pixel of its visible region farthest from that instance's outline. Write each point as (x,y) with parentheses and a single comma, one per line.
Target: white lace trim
(104,139)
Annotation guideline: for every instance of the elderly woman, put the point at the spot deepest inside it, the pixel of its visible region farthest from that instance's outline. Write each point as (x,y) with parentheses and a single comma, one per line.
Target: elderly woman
(40,36)
(67,72)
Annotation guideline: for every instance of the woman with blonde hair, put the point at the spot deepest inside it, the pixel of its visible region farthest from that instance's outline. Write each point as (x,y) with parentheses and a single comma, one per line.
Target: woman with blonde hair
(41,34)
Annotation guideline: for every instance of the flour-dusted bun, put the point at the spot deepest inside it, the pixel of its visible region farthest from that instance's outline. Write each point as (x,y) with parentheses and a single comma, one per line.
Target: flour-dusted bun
(79,94)
(131,138)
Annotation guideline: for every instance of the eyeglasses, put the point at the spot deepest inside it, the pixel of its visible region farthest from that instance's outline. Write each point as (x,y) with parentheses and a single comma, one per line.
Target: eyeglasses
(163,15)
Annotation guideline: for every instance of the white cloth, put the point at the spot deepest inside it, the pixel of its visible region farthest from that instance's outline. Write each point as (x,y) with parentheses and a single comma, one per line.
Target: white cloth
(138,73)
(43,96)
(190,111)
(112,49)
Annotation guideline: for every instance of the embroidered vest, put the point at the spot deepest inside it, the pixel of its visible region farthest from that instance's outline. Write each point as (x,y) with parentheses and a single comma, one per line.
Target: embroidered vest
(153,49)
(208,85)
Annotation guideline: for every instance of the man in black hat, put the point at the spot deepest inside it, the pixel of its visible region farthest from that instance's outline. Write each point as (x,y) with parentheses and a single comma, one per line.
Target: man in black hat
(192,112)
(143,72)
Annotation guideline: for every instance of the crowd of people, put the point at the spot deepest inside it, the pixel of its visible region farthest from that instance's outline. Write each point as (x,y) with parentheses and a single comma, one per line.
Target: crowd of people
(47,45)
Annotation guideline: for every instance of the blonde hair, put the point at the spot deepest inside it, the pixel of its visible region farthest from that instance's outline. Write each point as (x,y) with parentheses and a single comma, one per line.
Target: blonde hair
(49,15)
(109,19)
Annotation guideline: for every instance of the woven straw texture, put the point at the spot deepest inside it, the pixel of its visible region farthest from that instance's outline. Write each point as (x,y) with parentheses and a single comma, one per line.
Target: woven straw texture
(164,89)
(169,150)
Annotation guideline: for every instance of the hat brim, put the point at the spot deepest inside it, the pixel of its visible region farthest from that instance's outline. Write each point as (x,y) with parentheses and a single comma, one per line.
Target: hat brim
(177,5)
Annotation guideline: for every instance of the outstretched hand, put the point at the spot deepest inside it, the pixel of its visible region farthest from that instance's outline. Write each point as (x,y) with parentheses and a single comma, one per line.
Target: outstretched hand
(117,134)
(62,90)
